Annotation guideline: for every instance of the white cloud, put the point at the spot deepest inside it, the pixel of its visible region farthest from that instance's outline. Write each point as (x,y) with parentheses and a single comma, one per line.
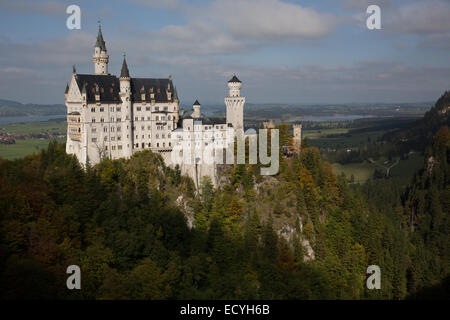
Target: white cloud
(52,8)
(226,27)
(166,4)
(271,19)
(422,18)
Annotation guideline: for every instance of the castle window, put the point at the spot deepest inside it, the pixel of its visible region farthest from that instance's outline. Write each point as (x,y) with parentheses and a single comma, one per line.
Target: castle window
(93,90)
(119,129)
(105,129)
(92,109)
(102,90)
(111,90)
(94,130)
(143,145)
(102,109)
(159,90)
(119,147)
(147,108)
(157,136)
(94,139)
(118,109)
(157,145)
(118,138)
(93,120)
(138,108)
(156,108)
(165,108)
(142,118)
(105,138)
(136,118)
(102,120)
(170,144)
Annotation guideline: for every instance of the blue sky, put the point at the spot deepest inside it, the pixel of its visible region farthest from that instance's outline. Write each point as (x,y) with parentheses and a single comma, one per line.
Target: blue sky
(303,52)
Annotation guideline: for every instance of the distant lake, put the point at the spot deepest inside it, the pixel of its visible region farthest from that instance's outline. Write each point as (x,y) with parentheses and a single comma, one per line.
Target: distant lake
(10,120)
(332,118)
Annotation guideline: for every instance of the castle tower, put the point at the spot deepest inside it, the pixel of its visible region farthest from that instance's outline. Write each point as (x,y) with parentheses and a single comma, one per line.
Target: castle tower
(297,140)
(100,57)
(125,95)
(235,104)
(196,107)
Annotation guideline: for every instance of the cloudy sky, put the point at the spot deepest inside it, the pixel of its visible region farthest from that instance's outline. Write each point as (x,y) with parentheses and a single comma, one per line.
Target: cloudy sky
(284,51)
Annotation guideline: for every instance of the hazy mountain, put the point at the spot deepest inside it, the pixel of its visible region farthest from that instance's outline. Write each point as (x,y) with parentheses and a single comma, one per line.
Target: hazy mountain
(10,108)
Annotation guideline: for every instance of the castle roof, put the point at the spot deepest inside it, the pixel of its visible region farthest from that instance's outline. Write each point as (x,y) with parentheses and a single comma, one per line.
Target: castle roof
(157,86)
(111,88)
(124,73)
(175,93)
(100,42)
(234,79)
(196,103)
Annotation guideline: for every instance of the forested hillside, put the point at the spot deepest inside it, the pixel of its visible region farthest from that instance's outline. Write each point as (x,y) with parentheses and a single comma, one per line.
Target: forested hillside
(138,230)
(420,133)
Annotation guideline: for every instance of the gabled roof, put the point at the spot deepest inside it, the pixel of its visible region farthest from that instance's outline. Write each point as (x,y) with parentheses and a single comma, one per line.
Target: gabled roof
(108,82)
(105,82)
(157,86)
(196,103)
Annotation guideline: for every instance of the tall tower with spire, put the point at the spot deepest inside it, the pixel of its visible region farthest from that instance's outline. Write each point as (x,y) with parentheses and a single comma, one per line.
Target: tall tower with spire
(100,57)
(125,95)
(235,105)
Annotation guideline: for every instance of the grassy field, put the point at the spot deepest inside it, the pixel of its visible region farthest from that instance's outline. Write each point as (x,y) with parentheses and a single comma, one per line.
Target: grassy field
(23,148)
(316,134)
(360,171)
(322,139)
(407,168)
(35,127)
(364,171)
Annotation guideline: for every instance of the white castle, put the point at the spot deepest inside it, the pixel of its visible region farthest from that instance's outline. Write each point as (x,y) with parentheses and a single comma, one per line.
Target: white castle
(114,117)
